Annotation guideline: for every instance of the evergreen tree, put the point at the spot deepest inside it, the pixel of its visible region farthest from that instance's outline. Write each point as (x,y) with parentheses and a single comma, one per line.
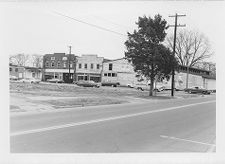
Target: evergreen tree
(146,51)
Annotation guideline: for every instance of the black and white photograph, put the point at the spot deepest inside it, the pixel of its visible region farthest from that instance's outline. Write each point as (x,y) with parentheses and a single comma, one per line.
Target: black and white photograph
(134,79)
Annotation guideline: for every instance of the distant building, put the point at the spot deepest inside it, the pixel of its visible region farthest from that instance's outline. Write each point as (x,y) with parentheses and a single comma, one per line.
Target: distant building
(196,77)
(22,72)
(119,71)
(57,66)
(88,67)
(17,71)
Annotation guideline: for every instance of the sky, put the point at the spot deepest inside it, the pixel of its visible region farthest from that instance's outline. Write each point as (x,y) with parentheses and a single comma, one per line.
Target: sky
(37,28)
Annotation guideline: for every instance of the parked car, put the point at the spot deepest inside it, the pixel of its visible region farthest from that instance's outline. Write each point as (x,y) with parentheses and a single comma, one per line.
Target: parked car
(55,80)
(88,83)
(30,80)
(113,84)
(197,90)
(130,85)
(13,78)
(143,86)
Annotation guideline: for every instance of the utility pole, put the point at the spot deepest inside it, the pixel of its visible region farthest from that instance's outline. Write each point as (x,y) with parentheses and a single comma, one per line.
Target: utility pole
(75,69)
(174,46)
(69,63)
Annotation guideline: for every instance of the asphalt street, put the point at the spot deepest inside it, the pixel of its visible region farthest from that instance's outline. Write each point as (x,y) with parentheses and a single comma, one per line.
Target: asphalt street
(176,125)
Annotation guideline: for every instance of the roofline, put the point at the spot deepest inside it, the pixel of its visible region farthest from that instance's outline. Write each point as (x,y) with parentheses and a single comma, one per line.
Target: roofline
(114,60)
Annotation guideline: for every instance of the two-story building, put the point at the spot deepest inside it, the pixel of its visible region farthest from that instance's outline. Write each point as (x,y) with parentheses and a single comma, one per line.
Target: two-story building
(89,67)
(58,65)
(85,67)
(119,71)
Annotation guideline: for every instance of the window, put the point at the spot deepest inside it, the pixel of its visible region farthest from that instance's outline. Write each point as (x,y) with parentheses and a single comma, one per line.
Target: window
(85,66)
(98,66)
(80,65)
(52,58)
(52,64)
(109,74)
(58,64)
(92,65)
(71,65)
(33,74)
(64,58)
(64,65)
(16,70)
(46,64)
(110,66)
(10,69)
(113,74)
(105,74)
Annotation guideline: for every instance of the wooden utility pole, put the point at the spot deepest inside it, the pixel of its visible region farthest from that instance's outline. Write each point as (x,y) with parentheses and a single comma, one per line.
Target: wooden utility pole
(174,46)
(75,69)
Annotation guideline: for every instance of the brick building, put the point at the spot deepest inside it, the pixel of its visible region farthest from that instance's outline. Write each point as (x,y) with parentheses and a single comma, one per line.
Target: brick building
(88,67)
(57,66)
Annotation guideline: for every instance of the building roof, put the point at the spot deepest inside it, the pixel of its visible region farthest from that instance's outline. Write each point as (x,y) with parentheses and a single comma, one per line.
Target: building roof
(209,77)
(107,60)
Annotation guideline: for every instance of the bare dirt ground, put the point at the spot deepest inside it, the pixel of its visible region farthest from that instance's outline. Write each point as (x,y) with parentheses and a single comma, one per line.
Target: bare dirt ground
(25,97)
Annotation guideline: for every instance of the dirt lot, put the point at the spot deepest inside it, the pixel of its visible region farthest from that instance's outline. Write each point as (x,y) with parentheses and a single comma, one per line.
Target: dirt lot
(45,96)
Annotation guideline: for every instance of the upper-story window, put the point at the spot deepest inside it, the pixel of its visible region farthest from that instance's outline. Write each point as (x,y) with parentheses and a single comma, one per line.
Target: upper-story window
(98,66)
(80,65)
(52,64)
(85,66)
(105,74)
(110,66)
(16,69)
(71,65)
(92,65)
(46,64)
(64,58)
(52,58)
(64,64)
(58,64)
(114,74)
(10,69)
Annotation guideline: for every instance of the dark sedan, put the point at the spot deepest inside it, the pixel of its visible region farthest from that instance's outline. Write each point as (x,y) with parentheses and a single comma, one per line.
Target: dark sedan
(88,83)
(197,90)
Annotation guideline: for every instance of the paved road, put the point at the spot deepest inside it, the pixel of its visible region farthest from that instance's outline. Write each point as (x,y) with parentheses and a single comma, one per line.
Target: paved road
(178,125)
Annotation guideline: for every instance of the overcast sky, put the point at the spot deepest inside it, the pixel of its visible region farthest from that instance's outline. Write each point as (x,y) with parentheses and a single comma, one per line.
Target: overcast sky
(35,28)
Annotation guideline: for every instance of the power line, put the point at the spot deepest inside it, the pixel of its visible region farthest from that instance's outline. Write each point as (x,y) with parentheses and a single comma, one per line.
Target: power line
(93,25)
(174,46)
(109,21)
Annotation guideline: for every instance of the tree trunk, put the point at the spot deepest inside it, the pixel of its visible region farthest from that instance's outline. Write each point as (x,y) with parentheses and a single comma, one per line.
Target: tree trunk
(151,87)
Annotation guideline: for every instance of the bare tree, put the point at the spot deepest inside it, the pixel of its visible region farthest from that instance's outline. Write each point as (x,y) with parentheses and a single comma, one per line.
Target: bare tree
(191,47)
(19,59)
(37,60)
(210,66)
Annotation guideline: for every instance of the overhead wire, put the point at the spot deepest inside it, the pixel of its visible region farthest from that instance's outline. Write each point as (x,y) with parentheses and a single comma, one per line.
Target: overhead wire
(93,25)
